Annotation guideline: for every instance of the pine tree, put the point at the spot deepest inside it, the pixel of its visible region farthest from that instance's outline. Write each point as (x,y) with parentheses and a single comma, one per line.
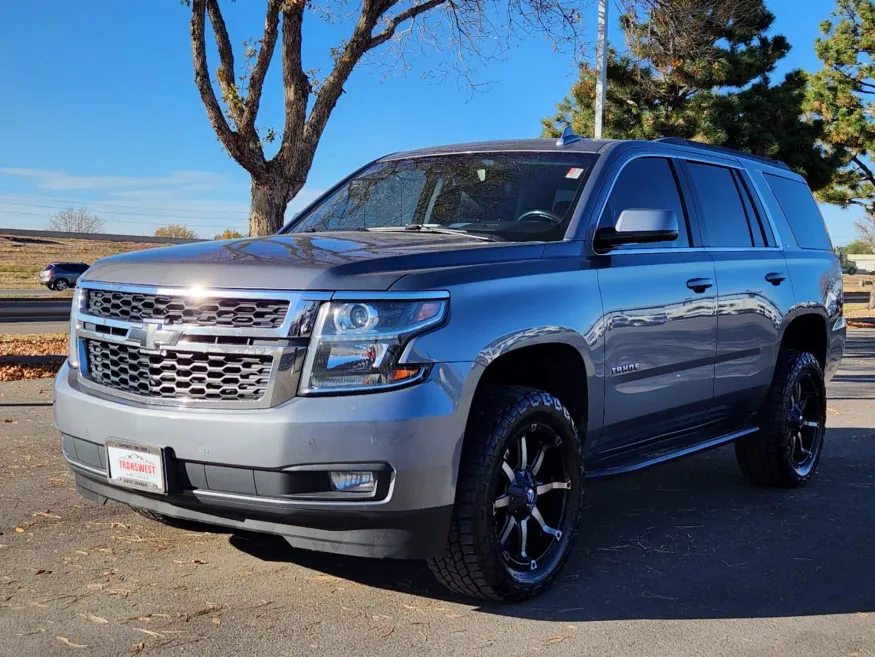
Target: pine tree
(713,85)
(841,96)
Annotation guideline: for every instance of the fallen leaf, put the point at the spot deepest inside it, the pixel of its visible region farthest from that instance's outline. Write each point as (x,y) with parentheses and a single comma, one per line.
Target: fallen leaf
(555,639)
(19,530)
(46,514)
(217,620)
(138,647)
(388,632)
(69,643)
(41,571)
(94,619)
(149,632)
(412,608)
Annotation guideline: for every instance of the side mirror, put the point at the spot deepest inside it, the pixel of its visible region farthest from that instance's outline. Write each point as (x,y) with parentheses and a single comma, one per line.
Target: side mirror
(638,226)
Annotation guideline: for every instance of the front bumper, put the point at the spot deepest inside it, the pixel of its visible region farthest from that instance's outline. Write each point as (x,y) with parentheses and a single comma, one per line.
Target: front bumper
(416,431)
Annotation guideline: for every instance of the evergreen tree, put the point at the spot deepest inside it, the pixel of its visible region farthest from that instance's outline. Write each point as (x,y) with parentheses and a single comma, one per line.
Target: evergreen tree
(841,96)
(712,85)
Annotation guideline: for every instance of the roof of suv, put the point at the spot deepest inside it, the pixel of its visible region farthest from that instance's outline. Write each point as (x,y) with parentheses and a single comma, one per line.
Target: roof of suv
(581,146)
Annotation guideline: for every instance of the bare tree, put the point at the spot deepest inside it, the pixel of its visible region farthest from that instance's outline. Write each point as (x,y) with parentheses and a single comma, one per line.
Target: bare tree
(388,29)
(76,221)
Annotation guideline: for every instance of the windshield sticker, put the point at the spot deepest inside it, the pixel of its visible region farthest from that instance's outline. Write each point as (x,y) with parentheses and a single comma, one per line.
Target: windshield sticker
(574,173)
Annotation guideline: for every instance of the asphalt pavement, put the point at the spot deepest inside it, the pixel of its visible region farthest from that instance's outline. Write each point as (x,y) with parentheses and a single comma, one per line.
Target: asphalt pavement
(682,559)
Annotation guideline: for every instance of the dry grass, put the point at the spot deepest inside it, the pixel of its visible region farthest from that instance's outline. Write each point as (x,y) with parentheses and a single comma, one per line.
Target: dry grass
(855,283)
(859,316)
(22,258)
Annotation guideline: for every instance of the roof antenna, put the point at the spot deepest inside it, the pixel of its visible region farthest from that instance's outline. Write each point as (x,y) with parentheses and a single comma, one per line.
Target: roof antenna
(568,137)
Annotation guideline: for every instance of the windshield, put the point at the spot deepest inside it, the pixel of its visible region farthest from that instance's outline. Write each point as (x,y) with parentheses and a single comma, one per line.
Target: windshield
(508,196)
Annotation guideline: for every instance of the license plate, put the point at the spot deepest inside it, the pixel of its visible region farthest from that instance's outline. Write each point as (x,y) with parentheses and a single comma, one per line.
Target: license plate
(136,466)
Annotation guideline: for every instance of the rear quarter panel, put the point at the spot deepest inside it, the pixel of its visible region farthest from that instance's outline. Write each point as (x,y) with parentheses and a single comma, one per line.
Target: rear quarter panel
(816,276)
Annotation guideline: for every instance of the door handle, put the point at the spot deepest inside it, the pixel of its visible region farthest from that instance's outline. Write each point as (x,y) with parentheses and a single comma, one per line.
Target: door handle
(776,278)
(699,284)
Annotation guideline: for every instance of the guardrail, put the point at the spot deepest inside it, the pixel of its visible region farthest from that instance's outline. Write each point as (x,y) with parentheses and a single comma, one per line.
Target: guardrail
(34,310)
(103,237)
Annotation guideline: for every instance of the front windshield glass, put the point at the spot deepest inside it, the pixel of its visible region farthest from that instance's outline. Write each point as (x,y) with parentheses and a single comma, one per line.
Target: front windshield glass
(508,196)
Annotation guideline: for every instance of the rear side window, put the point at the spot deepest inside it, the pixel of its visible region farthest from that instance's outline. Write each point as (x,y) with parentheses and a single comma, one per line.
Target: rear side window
(724,221)
(647,183)
(801,211)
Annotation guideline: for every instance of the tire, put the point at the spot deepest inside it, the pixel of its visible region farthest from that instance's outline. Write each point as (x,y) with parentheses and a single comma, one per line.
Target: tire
(785,452)
(852,271)
(178,523)
(60,285)
(489,554)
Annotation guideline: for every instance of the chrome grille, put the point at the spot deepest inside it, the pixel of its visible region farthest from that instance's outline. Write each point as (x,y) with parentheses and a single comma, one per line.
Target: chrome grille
(175,310)
(178,374)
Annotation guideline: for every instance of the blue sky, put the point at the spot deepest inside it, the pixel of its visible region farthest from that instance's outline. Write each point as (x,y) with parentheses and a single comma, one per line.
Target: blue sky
(101,111)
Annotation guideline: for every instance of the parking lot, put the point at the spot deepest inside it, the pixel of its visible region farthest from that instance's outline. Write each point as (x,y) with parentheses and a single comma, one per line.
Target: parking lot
(682,559)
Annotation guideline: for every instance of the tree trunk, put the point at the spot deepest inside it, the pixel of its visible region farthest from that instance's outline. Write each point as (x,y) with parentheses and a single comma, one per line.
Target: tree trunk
(872,298)
(267,212)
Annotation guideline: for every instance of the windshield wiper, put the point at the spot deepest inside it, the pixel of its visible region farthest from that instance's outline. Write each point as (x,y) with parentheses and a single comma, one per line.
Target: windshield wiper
(425,228)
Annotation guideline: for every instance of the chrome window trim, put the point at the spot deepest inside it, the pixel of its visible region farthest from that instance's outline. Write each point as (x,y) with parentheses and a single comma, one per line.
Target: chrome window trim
(704,159)
(740,167)
(287,359)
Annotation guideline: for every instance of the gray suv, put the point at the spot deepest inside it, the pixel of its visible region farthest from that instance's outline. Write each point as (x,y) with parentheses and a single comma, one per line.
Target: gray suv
(62,275)
(426,362)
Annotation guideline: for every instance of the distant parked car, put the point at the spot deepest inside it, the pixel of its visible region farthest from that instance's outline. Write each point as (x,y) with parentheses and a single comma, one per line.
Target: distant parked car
(61,275)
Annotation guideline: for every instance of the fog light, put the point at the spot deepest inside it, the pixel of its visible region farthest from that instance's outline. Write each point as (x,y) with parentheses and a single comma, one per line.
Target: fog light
(354,482)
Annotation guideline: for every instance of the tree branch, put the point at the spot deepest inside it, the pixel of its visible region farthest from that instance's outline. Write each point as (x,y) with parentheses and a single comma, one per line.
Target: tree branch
(860,86)
(867,172)
(225,73)
(256,80)
(362,40)
(297,88)
(407,14)
(202,80)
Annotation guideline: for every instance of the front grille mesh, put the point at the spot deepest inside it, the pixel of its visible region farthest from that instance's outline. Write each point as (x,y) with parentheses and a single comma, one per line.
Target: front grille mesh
(179,374)
(224,312)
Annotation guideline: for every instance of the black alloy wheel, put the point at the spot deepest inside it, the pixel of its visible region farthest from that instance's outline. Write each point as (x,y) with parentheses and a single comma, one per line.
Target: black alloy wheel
(518,498)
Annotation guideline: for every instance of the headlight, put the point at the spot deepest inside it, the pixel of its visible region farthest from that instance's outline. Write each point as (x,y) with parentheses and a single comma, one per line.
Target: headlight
(72,342)
(356,345)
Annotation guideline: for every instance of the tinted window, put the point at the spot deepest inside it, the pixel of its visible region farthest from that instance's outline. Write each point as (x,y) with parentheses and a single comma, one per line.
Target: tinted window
(724,221)
(515,196)
(801,211)
(647,183)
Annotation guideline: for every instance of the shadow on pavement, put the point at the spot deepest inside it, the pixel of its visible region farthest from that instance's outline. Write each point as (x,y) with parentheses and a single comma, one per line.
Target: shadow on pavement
(689,539)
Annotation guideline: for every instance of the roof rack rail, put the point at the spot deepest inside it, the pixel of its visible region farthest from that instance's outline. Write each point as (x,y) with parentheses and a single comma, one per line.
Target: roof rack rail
(679,141)
(568,137)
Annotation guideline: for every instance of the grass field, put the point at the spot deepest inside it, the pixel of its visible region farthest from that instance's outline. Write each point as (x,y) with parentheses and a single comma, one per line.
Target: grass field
(22,258)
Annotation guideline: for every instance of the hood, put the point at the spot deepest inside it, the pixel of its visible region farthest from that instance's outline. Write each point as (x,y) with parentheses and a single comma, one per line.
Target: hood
(305,261)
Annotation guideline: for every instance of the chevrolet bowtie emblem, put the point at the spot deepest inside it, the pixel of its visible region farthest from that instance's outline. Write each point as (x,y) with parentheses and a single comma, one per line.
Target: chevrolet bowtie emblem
(152,336)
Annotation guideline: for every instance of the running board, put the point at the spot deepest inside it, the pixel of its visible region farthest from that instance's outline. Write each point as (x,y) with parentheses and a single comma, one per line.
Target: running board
(694,449)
